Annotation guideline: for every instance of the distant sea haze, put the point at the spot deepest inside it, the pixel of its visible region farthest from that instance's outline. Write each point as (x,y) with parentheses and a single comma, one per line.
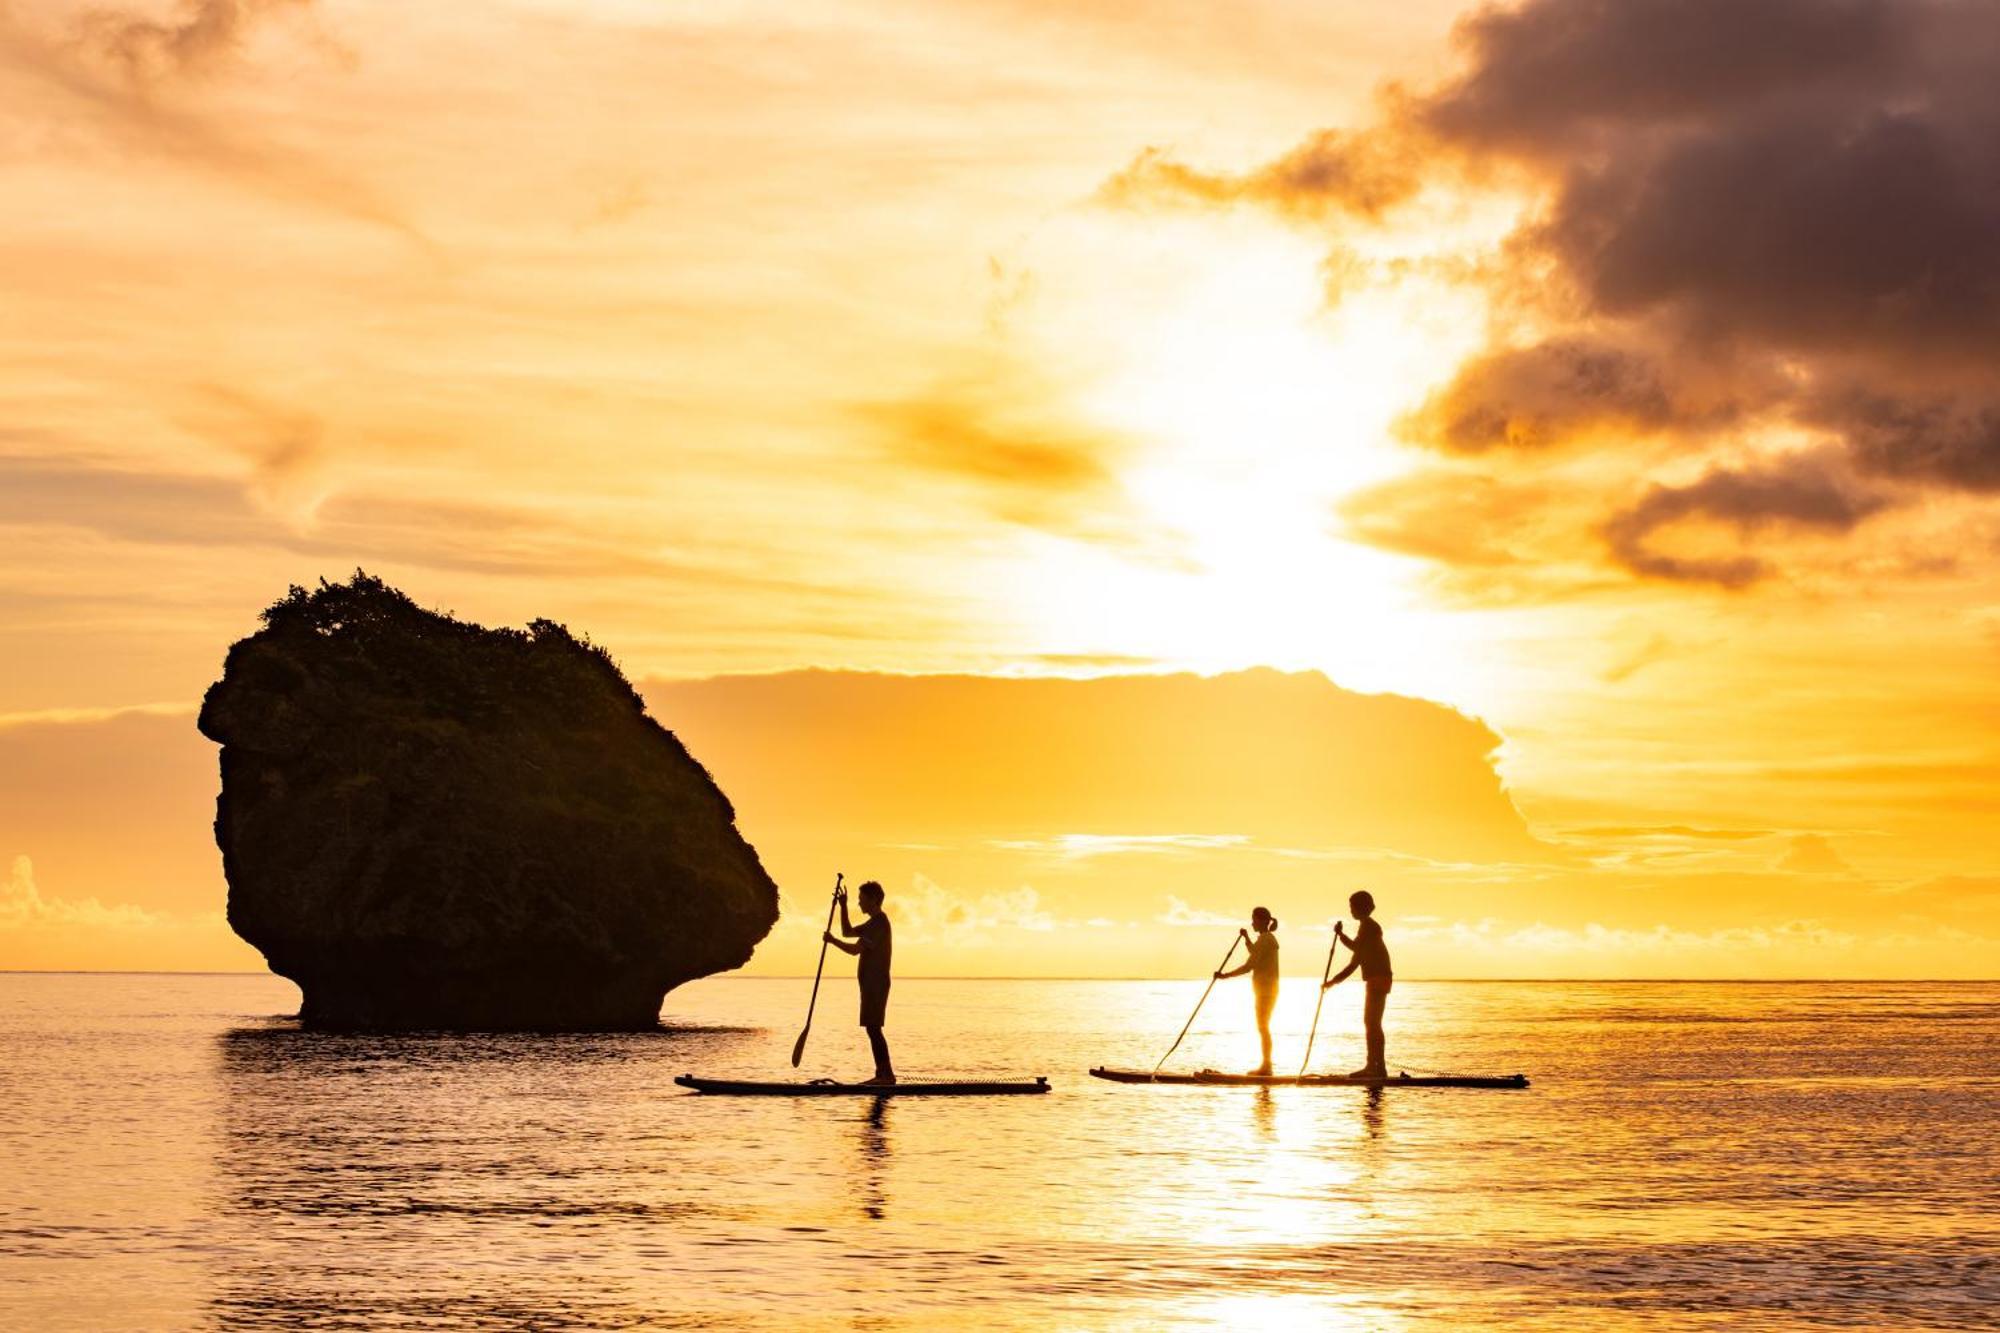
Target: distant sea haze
(179,1155)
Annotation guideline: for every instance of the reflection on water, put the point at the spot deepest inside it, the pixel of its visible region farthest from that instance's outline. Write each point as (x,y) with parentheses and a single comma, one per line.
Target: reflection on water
(873,1160)
(1753,1156)
(395,1162)
(1264,1114)
(1371,1114)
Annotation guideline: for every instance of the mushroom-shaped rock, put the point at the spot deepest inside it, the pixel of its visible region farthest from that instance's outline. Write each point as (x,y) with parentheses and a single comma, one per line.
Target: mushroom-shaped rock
(430,824)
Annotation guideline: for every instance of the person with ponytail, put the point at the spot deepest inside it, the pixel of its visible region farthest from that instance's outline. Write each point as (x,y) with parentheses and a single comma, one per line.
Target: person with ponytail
(1262,965)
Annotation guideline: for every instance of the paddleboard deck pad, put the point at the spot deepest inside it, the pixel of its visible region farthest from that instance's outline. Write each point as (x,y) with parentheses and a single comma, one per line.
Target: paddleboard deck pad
(909,1087)
(1217,1079)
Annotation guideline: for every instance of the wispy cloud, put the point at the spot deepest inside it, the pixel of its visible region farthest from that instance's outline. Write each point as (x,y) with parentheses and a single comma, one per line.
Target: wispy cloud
(199,37)
(1009,438)
(285,445)
(131,80)
(1333,172)
(1180,913)
(1812,854)
(927,911)
(1079,846)
(344,524)
(1543,942)
(68,716)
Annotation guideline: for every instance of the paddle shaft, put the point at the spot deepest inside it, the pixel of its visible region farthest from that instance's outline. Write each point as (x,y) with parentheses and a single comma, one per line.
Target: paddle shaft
(1332,949)
(799,1046)
(1202,1001)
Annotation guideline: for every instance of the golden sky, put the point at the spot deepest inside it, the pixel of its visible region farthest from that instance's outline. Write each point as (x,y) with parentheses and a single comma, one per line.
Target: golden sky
(1611,383)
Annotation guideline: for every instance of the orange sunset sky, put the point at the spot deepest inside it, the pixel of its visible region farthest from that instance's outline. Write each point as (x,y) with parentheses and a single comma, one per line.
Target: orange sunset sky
(1093,467)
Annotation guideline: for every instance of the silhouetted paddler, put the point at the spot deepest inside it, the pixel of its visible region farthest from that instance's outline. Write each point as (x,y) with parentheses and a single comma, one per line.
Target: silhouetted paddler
(1262,965)
(873,944)
(1371,956)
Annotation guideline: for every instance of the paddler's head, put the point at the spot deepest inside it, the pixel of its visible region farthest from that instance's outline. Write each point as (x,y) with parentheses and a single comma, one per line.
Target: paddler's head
(1361,904)
(870,897)
(1262,920)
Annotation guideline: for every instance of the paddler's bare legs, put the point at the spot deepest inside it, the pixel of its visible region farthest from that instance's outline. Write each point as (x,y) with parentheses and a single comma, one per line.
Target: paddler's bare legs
(1263,964)
(884,1071)
(1267,1000)
(1371,1022)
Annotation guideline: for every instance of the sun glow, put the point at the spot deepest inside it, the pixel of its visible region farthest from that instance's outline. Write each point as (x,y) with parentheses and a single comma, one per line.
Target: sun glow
(1255,405)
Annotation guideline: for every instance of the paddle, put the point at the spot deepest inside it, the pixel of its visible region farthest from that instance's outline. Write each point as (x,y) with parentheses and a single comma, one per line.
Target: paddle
(799,1046)
(1332,948)
(1202,1001)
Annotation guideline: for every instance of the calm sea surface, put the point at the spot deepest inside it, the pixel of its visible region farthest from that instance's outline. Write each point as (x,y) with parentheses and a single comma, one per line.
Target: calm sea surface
(174,1154)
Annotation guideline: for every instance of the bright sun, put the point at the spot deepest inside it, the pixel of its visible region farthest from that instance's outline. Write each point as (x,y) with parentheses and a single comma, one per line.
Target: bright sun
(1255,407)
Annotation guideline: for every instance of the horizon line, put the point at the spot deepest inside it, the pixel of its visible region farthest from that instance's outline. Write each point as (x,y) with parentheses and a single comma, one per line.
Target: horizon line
(1306,976)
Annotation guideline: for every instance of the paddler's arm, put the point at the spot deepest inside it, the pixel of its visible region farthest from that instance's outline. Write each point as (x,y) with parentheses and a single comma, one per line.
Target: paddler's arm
(841,944)
(846,926)
(1248,964)
(1344,973)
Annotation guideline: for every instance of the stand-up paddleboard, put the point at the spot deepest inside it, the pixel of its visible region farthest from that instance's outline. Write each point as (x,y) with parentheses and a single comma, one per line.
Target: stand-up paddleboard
(1217,1079)
(909,1087)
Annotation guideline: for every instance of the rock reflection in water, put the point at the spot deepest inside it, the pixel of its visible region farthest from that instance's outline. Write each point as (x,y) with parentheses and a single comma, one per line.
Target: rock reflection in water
(443,1180)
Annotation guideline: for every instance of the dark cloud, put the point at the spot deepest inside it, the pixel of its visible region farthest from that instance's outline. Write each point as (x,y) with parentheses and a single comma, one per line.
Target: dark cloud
(1804,174)
(1949,439)
(1812,181)
(1560,391)
(1804,491)
(1779,213)
(1551,77)
(1872,235)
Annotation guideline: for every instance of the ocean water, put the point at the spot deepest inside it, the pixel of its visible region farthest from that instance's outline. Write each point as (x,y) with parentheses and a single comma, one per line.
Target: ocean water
(175,1154)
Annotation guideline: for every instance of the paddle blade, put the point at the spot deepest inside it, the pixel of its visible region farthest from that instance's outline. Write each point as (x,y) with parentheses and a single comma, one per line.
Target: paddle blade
(799,1048)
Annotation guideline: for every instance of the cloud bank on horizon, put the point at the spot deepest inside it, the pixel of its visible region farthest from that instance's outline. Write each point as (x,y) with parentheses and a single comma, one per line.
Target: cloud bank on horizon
(1056,827)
